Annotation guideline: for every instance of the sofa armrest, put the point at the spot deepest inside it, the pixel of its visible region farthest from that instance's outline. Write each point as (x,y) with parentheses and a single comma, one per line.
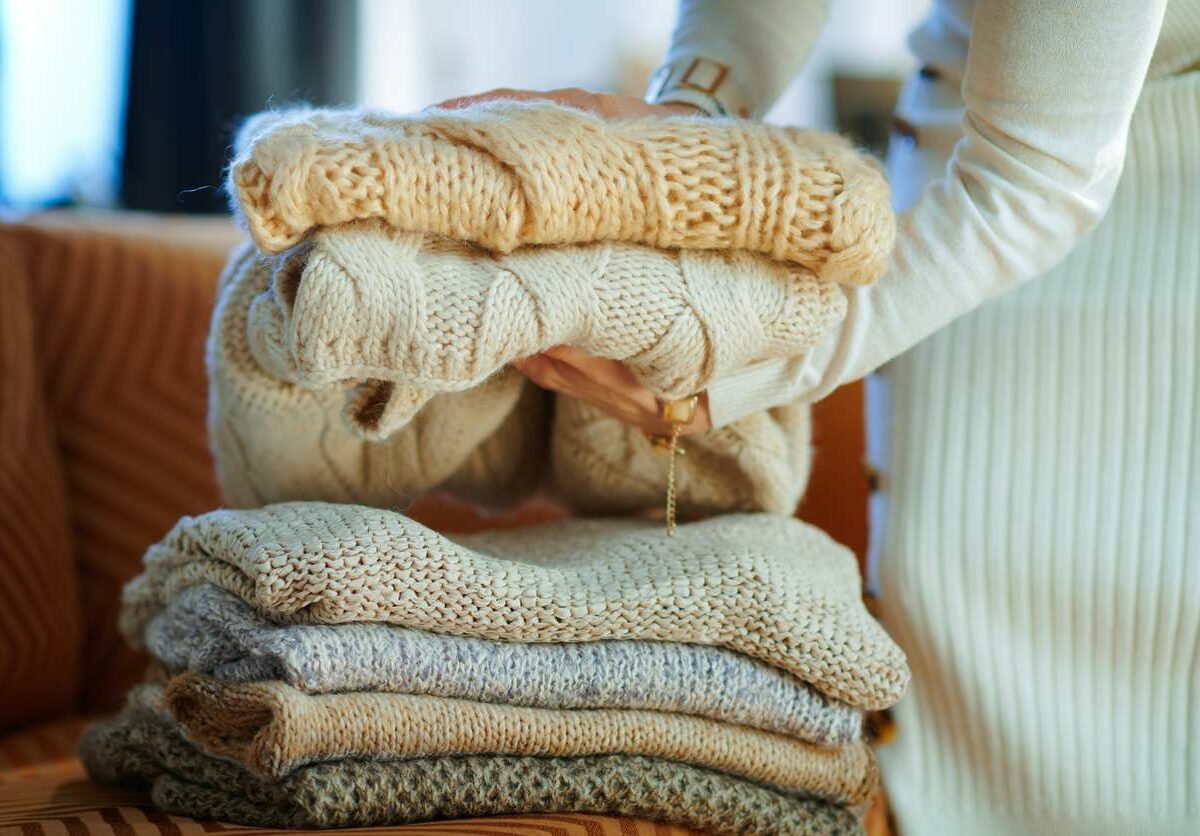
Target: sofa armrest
(118,306)
(40,624)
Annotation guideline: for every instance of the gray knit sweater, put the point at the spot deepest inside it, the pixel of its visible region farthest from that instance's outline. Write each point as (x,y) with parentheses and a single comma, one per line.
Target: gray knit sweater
(210,630)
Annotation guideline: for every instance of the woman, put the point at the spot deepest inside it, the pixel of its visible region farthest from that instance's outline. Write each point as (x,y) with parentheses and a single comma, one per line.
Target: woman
(1041,453)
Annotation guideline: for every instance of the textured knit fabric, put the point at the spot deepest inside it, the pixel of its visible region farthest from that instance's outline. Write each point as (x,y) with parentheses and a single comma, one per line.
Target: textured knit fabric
(504,174)
(1041,463)
(209,630)
(140,748)
(601,465)
(1178,48)
(364,302)
(272,728)
(765,585)
(277,440)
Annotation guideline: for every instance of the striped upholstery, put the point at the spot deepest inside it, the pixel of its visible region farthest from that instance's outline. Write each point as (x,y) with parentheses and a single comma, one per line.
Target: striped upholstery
(37,568)
(119,316)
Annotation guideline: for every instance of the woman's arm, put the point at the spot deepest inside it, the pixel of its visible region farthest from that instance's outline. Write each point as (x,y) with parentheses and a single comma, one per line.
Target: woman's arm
(1050,88)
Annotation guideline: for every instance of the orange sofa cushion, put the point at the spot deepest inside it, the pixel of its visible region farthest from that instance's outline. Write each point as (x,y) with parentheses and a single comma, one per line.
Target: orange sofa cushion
(115,316)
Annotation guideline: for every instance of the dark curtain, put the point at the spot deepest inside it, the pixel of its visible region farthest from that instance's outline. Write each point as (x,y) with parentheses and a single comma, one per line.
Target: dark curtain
(197,67)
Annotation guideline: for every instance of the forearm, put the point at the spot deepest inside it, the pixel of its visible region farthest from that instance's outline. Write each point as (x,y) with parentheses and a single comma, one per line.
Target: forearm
(1049,92)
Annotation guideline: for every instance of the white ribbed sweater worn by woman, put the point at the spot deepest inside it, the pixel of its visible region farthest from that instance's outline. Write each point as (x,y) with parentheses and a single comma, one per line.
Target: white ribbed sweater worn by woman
(1037,539)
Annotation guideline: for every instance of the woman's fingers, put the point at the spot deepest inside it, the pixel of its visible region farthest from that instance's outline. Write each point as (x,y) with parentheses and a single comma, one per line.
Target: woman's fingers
(571,97)
(607,372)
(622,402)
(605,384)
(499,93)
(602,104)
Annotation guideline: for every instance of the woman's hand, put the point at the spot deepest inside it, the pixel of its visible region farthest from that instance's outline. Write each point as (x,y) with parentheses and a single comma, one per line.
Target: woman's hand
(606,385)
(602,104)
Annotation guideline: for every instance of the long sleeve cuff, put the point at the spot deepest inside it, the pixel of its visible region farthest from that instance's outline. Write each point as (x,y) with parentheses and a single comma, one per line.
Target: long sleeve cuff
(751,389)
(700,82)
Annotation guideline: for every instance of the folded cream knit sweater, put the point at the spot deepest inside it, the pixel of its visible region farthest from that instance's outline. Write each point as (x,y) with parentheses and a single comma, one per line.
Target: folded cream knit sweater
(506,174)
(141,747)
(353,310)
(275,440)
(272,728)
(364,302)
(765,585)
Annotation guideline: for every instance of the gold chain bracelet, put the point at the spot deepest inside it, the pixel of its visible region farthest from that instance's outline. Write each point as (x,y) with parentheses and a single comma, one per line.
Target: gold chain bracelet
(678,414)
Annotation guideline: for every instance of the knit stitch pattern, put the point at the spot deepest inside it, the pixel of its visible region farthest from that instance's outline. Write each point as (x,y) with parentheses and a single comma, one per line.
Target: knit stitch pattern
(505,174)
(765,585)
(272,728)
(363,302)
(139,747)
(208,630)
(601,465)
(275,440)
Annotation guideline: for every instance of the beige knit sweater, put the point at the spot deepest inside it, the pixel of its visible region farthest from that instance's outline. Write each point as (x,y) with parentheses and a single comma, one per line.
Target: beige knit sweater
(765,585)
(359,305)
(275,440)
(272,728)
(363,302)
(141,747)
(505,174)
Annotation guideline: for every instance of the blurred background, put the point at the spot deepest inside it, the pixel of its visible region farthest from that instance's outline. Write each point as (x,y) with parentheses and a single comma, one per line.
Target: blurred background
(132,103)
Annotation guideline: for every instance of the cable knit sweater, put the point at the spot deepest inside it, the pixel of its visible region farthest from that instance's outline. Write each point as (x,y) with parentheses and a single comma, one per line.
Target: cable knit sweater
(272,728)
(275,440)
(139,747)
(504,174)
(209,630)
(765,585)
(278,440)
(363,302)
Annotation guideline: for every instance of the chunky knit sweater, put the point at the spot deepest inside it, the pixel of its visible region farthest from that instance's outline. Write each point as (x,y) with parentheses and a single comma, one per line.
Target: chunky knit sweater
(208,630)
(139,747)
(272,728)
(505,174)
(275,440)
(763,585)
(363,302)
(278,440)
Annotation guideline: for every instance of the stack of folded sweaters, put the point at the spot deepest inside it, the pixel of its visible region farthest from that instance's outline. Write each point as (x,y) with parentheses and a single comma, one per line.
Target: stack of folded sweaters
(324,661)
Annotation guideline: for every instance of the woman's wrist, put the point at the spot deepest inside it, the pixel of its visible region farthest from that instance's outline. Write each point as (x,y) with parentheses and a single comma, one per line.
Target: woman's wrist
(700,83)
